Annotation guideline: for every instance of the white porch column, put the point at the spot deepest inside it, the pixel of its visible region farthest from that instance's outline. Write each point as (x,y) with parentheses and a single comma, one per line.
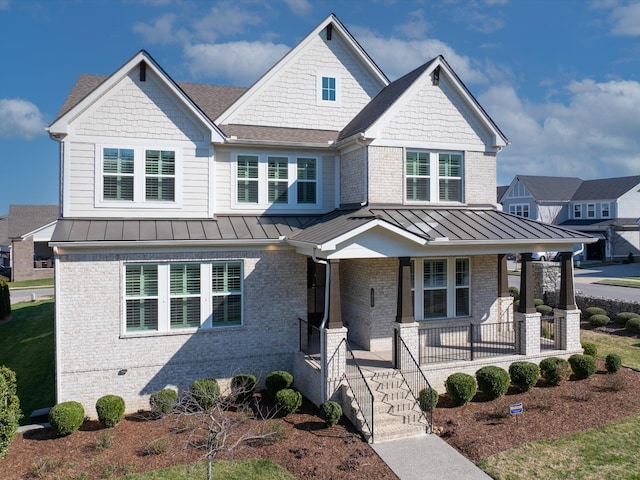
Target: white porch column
(408,332)
(528,339)
(567,334)
(335,360)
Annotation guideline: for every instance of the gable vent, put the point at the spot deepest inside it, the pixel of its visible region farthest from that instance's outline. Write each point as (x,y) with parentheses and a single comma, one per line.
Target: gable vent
(436,76)
(329,31)
(143,72)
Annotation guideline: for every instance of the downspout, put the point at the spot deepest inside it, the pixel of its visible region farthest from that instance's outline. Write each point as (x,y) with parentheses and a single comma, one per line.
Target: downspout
(60,190)
(366,168)
(325,317)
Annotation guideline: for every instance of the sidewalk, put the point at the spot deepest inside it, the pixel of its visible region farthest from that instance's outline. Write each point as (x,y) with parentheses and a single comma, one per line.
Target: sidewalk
(427,457)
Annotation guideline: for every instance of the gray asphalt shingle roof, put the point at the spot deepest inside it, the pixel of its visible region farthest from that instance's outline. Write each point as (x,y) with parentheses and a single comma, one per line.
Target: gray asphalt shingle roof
(606,188)
(551,188)
(23,219)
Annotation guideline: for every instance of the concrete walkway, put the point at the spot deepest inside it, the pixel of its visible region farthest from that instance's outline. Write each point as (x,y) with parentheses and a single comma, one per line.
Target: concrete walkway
(427,457)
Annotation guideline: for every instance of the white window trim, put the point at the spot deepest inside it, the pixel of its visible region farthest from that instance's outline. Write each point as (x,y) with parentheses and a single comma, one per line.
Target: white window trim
(263,182)
(328,103)
(164,300)
(577,207)
(139,176)
(434,177)
(591,207)
(451,288)
(513,207)
(608,204)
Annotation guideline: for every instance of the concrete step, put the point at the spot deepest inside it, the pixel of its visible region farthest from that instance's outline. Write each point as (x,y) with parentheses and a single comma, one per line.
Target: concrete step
(386,432)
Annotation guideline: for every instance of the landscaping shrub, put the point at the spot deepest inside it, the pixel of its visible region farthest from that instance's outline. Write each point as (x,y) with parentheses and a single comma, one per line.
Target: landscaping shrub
(546,332)
(493,381)
(10,413)
(110,409)
(288,400)
(583,366)
(277,381)
(205,392)
(554,370)
(330,412)
(461,387)
(163,401)
(599,320)
(589,348)
(524,375)
(5,300)
(514,292)
(538,302)
(544,309)
(66,417)
(623,317)
(613,363)
(589,311)
(428,399)
(243,386)
(633,325)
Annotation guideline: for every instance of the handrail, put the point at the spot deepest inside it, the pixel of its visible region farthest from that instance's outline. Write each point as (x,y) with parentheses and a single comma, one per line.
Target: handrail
(362,394)
(417,382)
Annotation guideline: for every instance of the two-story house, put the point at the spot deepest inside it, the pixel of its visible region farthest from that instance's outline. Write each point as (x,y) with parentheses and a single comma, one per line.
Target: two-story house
(324,211)
(606,209)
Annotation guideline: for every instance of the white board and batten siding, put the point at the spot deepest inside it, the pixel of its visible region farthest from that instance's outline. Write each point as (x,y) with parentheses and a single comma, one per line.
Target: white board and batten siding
(143,115)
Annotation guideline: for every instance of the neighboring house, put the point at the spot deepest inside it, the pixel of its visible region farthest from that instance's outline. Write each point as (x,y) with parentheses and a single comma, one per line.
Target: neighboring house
(210,230)
(606,209)
(25,233)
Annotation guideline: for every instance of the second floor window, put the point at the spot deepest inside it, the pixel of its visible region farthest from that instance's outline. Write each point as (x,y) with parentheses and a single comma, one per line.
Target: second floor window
(520,209)
(160,175)
(591,210)
(248,179)
(434,177)
(118,170)
(577,210)
(605,211)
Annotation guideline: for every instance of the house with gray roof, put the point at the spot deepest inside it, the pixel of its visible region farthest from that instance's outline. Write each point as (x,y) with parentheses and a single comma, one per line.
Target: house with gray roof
(324,217)
(606,209)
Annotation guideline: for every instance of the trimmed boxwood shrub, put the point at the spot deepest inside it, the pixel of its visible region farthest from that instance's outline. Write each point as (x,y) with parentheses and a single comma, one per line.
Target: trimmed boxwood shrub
(613,363)
(428,399)
(554,370)
(110,409)
(493,381)
(278,380)
(623,317)
(288,400)
(243,386)
(524,375)
(66,417)
(583,366)
(544,309)
(633,325)
(590,348)
(330,412)
(514,292)
(205,392)
(599,320)
(461,388)
(163,401)
(589,311)
(10,413)
(538,302)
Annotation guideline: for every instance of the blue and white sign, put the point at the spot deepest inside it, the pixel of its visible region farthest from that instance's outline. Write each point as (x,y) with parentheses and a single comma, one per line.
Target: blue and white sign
(516,408)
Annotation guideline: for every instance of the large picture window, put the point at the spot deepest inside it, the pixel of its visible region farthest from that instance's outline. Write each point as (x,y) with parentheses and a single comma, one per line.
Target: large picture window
(520,209)
(434,176)
(445,289)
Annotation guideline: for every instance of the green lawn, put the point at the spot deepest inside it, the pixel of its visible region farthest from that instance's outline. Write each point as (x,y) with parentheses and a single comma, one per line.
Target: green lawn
(43,282)
(222,470)
(627,347)
(27,347)
(620,282)
(608,452)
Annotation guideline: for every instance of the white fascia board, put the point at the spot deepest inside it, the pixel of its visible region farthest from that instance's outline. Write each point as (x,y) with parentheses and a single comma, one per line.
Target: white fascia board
(382,142)
(61,126)
(333,244)
(515,246)
(39,229)
(270,75)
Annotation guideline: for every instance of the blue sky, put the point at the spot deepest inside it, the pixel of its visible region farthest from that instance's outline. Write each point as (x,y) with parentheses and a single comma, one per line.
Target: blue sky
(560,77)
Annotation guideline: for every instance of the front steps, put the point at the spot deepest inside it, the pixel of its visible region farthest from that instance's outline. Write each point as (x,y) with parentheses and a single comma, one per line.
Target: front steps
(395,412)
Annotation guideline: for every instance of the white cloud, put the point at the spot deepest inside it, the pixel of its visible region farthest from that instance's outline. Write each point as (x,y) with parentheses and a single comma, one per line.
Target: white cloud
(626,20)
(20,119)
(241,62)
(299,7)
(160,31)
(226,19)
(592,135)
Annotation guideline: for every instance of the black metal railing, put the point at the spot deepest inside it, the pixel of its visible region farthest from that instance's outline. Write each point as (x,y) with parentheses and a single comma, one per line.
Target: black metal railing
(415,379)
(309,338)
(547,333)
(362,394)
(467,342)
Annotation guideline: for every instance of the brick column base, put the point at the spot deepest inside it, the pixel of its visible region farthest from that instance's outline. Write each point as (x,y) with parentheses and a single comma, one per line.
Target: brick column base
(567,334)
(408,332)
(335,360)
(528,336)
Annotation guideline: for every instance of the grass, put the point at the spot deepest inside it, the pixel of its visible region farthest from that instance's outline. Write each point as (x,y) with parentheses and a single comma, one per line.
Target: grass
(27,347)
(43,282)
(627,347)
(620,282)
(259,469)
(608,452)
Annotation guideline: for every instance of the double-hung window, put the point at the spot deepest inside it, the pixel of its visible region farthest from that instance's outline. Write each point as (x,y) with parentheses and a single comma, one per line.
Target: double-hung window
(141,297)
(434,176)
(307,180)
(591,210)
(118,174)
(605,211)
(577,210)
(226,288)
(184,281)
(444,290)
(520,209)
(278,179)
(160,175)
(248,180)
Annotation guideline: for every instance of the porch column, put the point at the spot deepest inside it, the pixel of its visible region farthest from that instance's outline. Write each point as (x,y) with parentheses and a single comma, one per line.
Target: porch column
(335,307)
(527,305)
(567,300)
(335,361)
(505,301)
(404,309)
(527,318)
(567,315)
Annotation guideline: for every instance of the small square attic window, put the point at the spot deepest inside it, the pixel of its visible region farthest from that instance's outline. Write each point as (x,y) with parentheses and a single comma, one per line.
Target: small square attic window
(328,89)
